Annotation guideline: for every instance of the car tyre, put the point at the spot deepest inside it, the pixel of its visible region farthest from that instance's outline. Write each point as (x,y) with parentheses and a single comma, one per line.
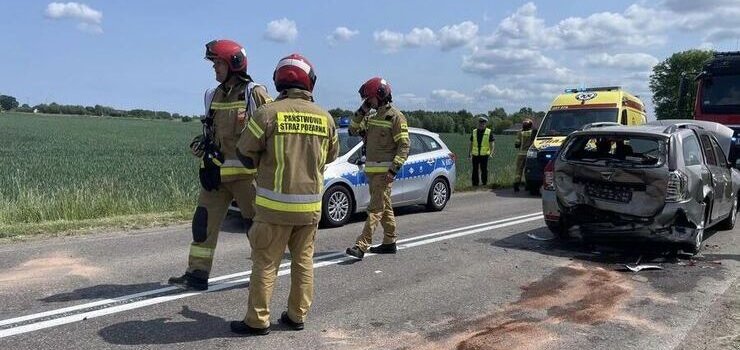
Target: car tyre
(694,247)
(557,228)
(439,195)
(729,222)
(337,206)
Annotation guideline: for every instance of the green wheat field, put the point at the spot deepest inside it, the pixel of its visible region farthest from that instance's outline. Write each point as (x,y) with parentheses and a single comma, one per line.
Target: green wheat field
(62,173)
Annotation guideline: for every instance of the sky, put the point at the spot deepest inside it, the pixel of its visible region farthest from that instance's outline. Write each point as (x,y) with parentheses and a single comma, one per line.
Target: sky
(451,55)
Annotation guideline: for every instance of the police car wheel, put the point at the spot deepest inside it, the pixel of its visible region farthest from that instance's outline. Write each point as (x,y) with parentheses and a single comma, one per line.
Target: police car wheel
(439,195)
(337,206)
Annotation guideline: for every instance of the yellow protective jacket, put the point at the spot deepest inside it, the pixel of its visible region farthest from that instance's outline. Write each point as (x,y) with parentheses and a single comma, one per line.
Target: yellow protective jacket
(523,141)
(386,138)
(231,109)
(291,139)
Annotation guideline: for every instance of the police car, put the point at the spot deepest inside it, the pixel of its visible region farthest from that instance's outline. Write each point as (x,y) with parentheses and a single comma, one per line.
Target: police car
(427,178)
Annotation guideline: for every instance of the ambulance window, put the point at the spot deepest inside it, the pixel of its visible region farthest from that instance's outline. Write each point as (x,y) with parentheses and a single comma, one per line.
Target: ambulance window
(624,121)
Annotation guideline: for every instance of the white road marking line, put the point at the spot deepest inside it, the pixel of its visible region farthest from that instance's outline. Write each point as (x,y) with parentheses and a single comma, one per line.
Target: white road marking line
(214,280)
(322,262)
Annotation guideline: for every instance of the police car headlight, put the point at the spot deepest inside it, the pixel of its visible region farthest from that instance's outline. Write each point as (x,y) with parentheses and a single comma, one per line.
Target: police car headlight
(532,153)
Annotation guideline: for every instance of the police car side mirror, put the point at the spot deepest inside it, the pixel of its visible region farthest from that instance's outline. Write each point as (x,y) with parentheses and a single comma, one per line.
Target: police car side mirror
(360,161)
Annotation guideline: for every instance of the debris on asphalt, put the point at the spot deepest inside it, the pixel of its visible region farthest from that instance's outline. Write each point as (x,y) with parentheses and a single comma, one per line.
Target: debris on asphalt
(637,267)
(538,238)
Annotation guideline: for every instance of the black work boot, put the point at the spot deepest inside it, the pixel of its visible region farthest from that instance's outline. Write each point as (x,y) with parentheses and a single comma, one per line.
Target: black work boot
(285,319)
(197,280)
(516,187)
(355,252)
(389,248)
(240,327)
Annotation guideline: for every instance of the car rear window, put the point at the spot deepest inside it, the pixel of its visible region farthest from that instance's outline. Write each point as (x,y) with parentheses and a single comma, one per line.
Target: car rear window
(618,150)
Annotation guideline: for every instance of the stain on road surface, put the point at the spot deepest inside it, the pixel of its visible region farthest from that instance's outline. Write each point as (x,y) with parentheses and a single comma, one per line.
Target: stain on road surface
(54,266)
(583,295)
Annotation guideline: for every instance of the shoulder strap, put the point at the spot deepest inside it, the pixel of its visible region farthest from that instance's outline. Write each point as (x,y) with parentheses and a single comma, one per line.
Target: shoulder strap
(207,99)
(248,99)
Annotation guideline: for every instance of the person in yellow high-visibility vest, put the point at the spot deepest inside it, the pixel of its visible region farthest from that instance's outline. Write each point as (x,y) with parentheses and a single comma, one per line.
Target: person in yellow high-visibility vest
(482,144)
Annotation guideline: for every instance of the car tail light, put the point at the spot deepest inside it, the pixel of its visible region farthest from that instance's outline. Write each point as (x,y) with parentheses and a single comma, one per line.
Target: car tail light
(453,157)
(678,187)
(548,182)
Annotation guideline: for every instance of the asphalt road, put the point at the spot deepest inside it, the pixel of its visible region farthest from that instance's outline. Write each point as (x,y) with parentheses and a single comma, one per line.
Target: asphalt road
(469,277)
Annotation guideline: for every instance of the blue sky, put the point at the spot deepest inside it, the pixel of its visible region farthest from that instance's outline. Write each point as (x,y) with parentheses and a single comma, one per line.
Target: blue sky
(437,55)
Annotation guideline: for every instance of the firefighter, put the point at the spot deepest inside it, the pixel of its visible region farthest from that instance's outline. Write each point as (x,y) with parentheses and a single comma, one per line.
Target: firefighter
(387,147)
(291,141)
(522,143)
(223,178)
(481,148)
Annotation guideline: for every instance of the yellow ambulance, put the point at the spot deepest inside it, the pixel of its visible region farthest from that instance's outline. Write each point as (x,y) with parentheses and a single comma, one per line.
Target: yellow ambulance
(571,111)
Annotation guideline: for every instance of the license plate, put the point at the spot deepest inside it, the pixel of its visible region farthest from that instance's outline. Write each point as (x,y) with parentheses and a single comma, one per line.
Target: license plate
(614,193)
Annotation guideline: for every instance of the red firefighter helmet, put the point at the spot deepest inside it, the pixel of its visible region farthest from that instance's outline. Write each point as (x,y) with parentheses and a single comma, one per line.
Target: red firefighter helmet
(230,52)
(294,71)
(376,87)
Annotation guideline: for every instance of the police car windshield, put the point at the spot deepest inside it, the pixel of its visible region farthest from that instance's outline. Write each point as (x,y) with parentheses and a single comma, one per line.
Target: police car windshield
(347,142)
(565,121)
(721,94)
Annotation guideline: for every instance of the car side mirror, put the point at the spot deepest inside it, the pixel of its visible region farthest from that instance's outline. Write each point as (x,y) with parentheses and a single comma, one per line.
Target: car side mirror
(360,161)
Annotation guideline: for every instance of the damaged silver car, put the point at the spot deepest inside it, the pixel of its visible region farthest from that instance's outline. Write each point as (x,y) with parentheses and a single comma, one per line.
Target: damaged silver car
(664,182)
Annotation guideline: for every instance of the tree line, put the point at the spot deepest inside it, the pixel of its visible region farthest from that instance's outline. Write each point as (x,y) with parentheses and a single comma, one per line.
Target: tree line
(10,103)
(461,121)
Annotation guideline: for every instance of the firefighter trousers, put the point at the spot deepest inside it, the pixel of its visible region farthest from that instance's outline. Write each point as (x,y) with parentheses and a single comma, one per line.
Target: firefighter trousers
(379,211)
(210,213)
(520,159)
(268,243)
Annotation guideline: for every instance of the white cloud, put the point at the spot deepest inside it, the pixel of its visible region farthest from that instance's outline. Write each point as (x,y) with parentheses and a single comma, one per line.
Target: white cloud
(506,61)
(450,97)
(389,41)
(341,34)
(410,101)
(281,30)
(447,38)
(491,91)
(457,35)
(89,19)
(626,61)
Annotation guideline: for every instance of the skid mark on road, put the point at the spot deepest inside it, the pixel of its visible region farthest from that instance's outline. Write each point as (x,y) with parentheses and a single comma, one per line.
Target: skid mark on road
(581,296)
(54,266)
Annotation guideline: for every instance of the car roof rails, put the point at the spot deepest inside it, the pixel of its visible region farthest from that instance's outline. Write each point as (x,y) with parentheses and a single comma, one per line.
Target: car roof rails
(674,127)
(599,125)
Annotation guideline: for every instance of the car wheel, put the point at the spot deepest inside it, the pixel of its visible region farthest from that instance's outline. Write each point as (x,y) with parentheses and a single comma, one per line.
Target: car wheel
(729,222)
(695,246)
(439,195)
(336,206)
(557,228)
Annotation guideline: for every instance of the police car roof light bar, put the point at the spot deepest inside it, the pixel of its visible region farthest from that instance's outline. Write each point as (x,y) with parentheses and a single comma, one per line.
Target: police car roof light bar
(598,88)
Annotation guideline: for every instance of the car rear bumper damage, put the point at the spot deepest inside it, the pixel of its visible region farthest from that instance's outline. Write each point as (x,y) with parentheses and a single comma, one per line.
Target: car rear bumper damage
(671,225)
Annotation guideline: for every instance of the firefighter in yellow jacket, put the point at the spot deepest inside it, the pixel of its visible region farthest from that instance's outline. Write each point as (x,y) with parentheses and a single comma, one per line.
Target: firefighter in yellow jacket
(387,143)
(292,139)
(223,178)
(522,143)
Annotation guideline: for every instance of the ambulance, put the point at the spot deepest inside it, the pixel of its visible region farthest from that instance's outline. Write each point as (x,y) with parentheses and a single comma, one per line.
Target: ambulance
(571,111)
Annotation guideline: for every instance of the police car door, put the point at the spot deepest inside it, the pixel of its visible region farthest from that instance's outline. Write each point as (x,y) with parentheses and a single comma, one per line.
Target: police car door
(415,170)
